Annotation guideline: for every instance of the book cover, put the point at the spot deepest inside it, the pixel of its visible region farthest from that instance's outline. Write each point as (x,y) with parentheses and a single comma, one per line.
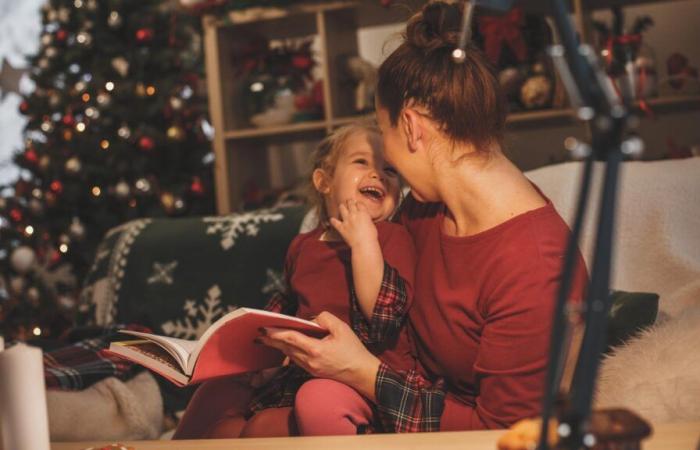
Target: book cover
(227,347)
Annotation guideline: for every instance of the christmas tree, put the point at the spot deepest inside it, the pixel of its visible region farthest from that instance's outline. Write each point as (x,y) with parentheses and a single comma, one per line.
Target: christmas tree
(116,130)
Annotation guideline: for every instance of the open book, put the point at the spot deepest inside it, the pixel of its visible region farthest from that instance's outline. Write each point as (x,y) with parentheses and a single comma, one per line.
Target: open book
(226,348)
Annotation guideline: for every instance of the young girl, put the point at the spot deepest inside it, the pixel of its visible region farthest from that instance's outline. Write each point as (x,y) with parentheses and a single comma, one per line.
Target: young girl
(356,265)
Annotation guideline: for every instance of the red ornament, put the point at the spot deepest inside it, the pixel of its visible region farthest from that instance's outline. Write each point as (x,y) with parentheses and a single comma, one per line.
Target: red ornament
(16,214)
(61,35)
(144,34)
(55,257)
(504,31)
(146,143)
(68,120)
(56,187)
(31,156)
(197,187)
(24,107)
(302,62)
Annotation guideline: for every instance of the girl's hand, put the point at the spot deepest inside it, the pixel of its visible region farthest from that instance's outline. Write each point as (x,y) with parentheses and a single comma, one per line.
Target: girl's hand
(355,225)
(339,356)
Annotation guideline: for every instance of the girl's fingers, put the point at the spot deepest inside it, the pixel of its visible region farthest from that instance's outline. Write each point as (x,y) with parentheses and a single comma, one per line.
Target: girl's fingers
(344,212)
(337,224)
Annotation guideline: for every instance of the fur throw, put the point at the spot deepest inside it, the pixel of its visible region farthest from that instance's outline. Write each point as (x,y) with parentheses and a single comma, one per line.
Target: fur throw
(657,249)
(107,410)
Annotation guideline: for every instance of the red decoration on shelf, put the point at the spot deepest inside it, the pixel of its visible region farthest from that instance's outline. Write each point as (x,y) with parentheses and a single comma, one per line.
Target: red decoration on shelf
(56,187)
(504,30)
(31,156)
(197,187)
(68,120)
(680,71)
(146,143)
(144,34)
(302,62)
(16,214)
(61,35)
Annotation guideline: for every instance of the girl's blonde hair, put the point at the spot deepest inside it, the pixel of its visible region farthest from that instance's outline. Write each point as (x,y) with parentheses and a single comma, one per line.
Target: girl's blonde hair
(325,157)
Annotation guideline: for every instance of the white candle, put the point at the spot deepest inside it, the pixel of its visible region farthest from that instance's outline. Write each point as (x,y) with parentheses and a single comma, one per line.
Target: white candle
(23,416)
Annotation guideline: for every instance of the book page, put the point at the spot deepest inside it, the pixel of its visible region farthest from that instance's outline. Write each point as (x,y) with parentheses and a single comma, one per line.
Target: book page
(179,348)
(151,356)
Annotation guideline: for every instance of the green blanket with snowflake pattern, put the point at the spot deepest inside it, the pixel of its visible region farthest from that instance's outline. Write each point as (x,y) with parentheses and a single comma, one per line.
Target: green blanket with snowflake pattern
(177,276)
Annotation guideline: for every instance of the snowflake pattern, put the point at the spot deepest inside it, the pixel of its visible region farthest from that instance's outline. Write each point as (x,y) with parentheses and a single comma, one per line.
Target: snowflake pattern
(199,317)
(162,273)
(275,282)
(232,226)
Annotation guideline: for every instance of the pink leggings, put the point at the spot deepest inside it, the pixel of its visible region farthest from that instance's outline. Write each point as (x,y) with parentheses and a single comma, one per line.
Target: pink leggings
(216,412)
(325,407)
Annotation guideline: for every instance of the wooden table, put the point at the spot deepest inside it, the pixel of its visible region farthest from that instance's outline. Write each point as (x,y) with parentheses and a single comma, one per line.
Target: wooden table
(678,436)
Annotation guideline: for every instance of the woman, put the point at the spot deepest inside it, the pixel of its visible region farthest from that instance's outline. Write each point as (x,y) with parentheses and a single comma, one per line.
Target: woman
(489,248)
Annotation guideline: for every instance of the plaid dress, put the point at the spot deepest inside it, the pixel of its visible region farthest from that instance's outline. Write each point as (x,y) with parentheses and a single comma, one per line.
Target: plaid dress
(388,318)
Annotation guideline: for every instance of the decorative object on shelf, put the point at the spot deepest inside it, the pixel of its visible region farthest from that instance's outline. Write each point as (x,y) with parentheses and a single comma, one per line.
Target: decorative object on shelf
(364,77)
(515,42)
(278,86)
(630,63)
(682,77)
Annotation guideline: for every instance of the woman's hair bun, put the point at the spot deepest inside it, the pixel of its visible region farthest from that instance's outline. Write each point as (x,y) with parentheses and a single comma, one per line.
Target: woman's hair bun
(437,26)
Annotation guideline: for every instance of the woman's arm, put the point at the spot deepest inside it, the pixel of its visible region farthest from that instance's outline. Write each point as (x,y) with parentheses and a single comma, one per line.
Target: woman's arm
(405,400)
(339,356)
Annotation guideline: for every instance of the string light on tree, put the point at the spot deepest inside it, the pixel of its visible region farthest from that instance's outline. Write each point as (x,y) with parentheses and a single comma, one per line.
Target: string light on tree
(124,132)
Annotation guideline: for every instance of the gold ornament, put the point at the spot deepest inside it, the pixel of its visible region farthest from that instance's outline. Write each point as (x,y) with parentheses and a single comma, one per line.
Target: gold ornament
(73,165)
(76,229)
(176,103)
(122,189)
(168,201)
(67,135)
(176,133)
(140,89)
(44,163)
(121,65)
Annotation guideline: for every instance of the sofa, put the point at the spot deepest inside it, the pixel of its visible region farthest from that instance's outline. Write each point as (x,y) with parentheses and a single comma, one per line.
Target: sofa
(177,276)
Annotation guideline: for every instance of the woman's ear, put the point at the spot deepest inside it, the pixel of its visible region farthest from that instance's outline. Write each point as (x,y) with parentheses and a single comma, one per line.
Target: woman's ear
(412,127)
(321,181)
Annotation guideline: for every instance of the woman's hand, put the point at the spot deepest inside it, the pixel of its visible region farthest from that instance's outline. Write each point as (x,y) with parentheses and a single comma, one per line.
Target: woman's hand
(339,356)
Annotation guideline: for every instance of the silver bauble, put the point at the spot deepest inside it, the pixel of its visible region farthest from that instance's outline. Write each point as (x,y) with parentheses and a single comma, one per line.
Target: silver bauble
(23,259)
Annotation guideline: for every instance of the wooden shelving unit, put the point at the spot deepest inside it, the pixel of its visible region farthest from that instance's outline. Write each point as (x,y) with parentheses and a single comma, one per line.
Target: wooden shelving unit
(240,148)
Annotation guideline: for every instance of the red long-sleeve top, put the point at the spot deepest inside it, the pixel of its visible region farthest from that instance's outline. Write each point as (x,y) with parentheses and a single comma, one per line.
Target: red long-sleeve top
(481,321)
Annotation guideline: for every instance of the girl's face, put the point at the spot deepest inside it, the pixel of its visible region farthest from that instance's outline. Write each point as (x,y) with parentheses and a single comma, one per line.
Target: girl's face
(361,174)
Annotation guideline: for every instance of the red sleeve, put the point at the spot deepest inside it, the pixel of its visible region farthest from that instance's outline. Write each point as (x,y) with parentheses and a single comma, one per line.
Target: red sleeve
(284,301)
(396,292)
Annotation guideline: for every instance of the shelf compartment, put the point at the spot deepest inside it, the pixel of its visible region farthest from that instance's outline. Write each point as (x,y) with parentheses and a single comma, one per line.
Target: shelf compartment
(277,130)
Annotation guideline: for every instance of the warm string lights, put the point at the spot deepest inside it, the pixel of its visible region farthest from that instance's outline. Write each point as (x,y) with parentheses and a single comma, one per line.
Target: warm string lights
(105,134)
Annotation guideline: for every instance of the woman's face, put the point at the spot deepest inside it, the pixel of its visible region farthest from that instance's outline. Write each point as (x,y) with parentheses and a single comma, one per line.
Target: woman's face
(413,166)
(363,175)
